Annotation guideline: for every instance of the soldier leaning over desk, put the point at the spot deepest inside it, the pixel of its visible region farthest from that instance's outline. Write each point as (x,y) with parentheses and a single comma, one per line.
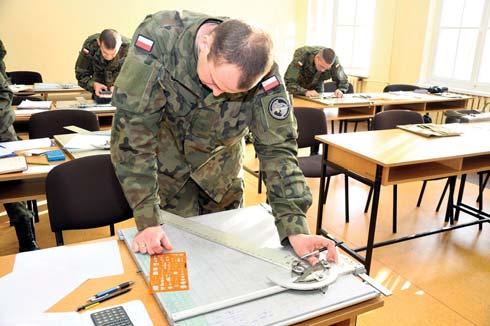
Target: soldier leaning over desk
(3,52)
(100,60)
(310,68)
(19,215)
(190,89)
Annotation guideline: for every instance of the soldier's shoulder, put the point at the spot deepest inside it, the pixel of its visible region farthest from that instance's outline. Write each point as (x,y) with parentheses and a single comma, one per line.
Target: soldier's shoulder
(90,42)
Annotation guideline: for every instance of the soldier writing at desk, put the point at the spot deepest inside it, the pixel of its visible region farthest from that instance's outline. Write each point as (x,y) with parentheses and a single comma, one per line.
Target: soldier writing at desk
(310,68)
(191,88)
(100,60)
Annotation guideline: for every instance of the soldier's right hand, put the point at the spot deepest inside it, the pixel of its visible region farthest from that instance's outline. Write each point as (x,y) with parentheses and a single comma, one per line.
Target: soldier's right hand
(99,87)
(311,93)
(151,240)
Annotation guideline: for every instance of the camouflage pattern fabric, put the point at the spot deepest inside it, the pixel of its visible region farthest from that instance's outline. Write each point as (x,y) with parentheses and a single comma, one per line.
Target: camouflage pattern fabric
(177,147)
(302,75)
(92,67)
(3,52)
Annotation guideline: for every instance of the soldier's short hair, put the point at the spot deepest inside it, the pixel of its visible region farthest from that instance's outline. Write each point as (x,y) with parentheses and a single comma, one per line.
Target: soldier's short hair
(110,38)
(238,43)
(328,55)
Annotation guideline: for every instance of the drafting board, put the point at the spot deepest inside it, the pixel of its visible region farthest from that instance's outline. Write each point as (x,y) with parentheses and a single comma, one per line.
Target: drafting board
(218,272)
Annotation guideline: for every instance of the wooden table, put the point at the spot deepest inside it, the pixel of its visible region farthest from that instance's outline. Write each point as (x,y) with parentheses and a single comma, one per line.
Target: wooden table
(366,105)
(45,92)
(388,157)
(346,316)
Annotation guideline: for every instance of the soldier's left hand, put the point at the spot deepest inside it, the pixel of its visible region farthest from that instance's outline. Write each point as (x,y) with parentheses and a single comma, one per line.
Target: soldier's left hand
(338,93)
(304,244)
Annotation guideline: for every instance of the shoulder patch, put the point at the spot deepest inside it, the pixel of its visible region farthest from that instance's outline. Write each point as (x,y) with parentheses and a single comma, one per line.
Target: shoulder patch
(144,43)
(85,51)
(279,108)
(270,83)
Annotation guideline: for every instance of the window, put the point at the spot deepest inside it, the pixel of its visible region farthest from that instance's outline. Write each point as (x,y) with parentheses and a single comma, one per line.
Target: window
(347,27)
(461,46)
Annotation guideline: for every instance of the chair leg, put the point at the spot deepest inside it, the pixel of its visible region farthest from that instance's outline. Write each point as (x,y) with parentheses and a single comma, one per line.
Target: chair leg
(368,201)
(346,178)
(35,211)
(326,191)
(482,186)
(340,126)
(421,195)
(59,238)
(111,227)
(395,197)
(355,126)
(345,126)
(260,183)
(332,126)
(442,196)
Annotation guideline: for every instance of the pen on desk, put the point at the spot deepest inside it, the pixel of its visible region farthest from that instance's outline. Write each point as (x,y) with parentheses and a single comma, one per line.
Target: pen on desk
(102,299)
(111,290)
(316,252)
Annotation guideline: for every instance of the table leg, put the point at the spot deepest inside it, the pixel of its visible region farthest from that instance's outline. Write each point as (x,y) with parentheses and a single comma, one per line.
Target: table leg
(460,197)
(319,217)
(374,216)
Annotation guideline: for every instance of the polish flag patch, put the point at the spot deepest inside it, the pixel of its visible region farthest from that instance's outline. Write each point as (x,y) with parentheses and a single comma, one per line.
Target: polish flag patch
(144,43)
(85,51)
(270,83)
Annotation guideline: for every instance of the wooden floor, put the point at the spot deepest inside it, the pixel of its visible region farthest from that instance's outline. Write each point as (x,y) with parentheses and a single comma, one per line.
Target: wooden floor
(438,280)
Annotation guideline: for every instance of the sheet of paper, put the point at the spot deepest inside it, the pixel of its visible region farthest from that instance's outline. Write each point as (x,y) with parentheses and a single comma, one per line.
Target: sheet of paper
(21,145)
(28,104)
(5,152)
(88,142)
(20,88)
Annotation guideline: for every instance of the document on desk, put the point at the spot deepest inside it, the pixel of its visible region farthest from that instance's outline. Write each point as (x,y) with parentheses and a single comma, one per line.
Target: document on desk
(218,273)
(87,142)
(22,145)
(430,130)
(41,278)
(28,104)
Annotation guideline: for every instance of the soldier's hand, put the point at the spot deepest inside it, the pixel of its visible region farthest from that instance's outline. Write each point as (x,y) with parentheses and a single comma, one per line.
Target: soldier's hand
(304,244)
(311,93)
(151,240)
(99,87)
(338,93)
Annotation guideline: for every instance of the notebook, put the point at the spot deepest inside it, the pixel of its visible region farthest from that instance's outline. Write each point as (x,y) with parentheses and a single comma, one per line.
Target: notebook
(430,130)
(13,164)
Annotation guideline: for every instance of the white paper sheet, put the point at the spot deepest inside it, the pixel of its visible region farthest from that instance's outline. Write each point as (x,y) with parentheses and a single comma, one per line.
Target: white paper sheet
(88,142)
(28,112)
(28,104)
(20,145)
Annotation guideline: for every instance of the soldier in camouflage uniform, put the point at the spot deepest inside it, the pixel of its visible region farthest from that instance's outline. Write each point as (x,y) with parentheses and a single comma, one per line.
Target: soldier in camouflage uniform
(185,101)
(310,68)
(100,60)
(3,52)
(19,215)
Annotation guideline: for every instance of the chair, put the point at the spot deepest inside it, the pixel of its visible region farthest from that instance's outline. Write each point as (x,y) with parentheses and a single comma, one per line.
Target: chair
(25,77)
(312,122)
(85,193)
(400,88)
(50,123)
(389,120)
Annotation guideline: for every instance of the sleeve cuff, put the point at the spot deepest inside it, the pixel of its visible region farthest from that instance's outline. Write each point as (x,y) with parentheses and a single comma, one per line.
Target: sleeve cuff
(291,225)
(147,216)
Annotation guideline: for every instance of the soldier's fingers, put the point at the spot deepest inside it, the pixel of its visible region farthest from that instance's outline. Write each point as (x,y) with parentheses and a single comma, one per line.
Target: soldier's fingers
(166,242)
(312,260)
(142,247)
(134,246)
(155,247)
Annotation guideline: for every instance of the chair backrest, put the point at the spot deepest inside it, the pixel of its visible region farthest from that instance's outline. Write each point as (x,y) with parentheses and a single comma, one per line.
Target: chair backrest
(311,122)
(332,86)
(400,87)
(391,119)
(85,193)
(50,123)
(25,77)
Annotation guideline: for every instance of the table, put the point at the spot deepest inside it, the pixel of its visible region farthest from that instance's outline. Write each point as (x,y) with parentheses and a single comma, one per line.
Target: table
(346,316)
(46,91)
(366,105)
(388,157)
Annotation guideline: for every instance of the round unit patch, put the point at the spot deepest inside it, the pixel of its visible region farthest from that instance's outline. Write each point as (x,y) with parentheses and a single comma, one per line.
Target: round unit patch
(279,108)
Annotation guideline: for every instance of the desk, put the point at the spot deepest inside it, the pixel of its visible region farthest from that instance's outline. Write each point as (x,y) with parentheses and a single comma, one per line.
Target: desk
(387,157)
(46,91)
(346,316)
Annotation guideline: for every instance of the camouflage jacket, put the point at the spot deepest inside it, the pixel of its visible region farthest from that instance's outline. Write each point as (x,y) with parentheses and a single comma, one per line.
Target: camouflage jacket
(7,115)
(3,52)
(302,75)
(92,67)
(169,129)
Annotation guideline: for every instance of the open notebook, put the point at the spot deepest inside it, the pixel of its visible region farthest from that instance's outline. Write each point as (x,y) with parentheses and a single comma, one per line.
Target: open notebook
(13,164)
(430,130)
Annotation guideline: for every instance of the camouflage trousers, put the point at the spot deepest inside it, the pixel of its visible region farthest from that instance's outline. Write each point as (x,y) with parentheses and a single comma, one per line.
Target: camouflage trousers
(191,200)
(18,212)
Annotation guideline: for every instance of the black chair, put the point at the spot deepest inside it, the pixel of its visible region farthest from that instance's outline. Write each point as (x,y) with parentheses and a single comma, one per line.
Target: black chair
(400,88)
(50,123)
(25,77)
(312,122)
(85,193)
(389,120)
